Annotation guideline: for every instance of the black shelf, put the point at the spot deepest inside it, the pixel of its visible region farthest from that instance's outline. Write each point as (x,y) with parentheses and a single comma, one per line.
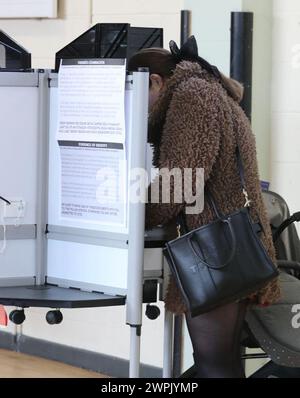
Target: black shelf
(55,297)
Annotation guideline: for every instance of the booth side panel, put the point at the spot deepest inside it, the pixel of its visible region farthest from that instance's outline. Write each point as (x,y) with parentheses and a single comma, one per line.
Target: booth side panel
(18,176)
(78,263)
(55,179)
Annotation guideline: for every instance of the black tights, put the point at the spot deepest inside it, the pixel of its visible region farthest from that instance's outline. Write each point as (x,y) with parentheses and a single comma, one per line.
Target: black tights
(216,339)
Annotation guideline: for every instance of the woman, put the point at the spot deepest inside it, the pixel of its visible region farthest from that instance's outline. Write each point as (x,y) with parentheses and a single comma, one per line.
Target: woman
(195,121)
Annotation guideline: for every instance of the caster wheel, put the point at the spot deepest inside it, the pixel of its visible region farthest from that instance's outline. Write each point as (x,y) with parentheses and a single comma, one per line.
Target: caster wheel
(54,317)
(17,317)
(152,311)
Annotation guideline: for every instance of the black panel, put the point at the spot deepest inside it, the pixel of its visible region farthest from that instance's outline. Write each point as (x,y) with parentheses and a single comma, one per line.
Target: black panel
(110,40)
(12,55)
(139,38)
(150,291)
(100,41)
(55,297)
(185,24)
(242,54)
(159,236)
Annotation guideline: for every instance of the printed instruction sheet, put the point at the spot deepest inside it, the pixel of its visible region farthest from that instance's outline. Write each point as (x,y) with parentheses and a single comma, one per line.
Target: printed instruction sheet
(91,138)
(91,102)
(93,181)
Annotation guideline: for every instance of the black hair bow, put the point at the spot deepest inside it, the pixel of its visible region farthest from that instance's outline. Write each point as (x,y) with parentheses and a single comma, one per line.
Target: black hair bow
(189,52)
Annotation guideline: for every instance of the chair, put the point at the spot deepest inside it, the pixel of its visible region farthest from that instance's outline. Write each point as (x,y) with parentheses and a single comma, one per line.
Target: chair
(273,328)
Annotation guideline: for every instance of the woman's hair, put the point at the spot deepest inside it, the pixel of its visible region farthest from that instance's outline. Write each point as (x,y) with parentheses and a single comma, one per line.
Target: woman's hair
(233,87)
(158,60)
(163,63)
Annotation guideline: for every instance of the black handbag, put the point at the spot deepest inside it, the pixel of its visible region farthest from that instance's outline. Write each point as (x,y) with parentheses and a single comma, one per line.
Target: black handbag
(220,262)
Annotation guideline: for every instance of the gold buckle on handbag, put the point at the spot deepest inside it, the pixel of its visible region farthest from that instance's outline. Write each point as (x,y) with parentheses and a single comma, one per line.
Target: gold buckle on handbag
(178,231)
(248,201)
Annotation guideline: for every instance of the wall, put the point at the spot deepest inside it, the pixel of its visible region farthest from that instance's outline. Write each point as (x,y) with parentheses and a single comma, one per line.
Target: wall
(261,89)
(44,37)
(211,27)
(155,13)
(285,160)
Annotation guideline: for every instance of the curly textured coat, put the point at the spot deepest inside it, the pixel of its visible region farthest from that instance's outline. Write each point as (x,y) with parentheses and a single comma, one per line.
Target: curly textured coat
(196,124)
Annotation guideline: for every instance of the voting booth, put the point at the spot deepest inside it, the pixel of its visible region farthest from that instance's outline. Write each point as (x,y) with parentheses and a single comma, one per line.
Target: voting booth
(72,219)
(12,55)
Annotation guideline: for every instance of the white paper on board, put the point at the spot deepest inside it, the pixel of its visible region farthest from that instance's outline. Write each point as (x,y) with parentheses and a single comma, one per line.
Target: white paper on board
(91,100)
(93,182)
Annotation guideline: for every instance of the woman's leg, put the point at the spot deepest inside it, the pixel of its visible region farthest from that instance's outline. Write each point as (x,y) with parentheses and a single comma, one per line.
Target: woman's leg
(216,339)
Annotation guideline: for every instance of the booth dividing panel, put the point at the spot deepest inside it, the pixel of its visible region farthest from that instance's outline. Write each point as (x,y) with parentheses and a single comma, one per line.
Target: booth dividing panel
(19,120)
(84,254)
(90,267)
(55,176)
(18,149)
(83,264)
(18,262)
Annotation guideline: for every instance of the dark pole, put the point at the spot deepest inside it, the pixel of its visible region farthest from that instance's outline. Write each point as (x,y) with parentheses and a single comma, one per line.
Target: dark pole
(241,55)
(185,30)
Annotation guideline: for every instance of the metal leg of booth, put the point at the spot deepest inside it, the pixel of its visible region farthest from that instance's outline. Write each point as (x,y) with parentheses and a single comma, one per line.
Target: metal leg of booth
(168,345)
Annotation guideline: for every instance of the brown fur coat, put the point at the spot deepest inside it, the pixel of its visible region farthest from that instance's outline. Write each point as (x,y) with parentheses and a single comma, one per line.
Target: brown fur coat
(196,124)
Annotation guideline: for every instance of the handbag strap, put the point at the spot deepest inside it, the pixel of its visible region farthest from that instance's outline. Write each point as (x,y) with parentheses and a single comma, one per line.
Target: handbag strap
(241,172)
(181,219)
(240,167)
(182,228)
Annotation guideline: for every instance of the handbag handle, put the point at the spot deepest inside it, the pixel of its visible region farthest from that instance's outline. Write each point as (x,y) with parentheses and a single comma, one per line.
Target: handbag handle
(232,253)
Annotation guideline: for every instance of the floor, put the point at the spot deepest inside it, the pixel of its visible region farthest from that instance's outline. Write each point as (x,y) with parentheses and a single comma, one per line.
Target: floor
(16,365)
